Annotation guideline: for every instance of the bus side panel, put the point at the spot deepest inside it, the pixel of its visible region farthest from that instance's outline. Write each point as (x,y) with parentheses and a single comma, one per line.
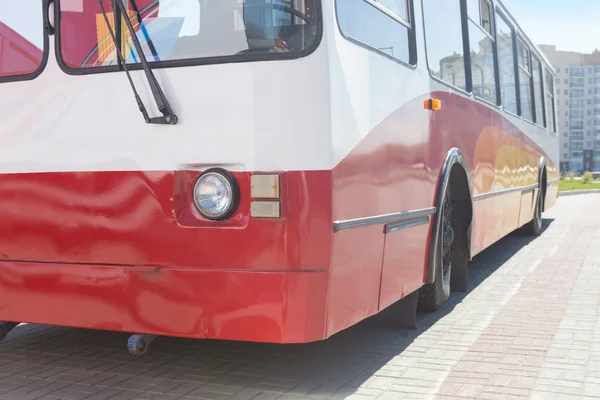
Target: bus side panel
(527,207)
(384,174)
(551,195)
(396,168)
(355,276)
(403,263)
(505,158)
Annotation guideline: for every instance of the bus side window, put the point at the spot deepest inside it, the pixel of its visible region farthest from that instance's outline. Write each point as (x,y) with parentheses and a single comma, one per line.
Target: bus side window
(482,57)
(550,106)
(22,39)
(383,29)
(540,117)
(525,80)
(398,7)
(444,40)
(505,37)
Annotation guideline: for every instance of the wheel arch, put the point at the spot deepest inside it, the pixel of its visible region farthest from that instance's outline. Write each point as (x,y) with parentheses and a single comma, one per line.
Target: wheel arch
(455,165)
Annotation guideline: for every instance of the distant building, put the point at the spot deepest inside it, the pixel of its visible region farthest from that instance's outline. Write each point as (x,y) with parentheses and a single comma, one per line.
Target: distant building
(578,107)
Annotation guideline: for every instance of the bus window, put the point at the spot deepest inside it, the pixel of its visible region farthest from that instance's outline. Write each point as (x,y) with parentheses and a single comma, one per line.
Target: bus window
(385,32)
(173,30)
(398,7)
(506,59)
(21,39)
(525,80)
(483,61)
(550,111)
(540,118)
(444,40)
(480,11)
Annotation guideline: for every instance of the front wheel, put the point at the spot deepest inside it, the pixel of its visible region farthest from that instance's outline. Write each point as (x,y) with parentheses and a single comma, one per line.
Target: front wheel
(433,295)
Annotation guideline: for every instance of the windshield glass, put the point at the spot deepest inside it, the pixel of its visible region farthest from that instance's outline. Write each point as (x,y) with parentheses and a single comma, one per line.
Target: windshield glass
(185,29)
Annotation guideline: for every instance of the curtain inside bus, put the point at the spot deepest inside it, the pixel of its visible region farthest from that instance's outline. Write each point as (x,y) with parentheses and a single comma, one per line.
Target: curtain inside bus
(186,29)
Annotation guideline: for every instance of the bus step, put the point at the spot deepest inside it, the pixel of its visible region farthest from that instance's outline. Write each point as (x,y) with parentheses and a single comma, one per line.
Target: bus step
(138,344)
(6,327)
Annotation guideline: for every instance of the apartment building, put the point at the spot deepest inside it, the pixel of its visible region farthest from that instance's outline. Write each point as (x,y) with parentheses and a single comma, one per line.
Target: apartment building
(578,108)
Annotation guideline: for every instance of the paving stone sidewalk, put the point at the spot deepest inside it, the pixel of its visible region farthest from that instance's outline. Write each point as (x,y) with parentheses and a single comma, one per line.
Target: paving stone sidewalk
(528,329)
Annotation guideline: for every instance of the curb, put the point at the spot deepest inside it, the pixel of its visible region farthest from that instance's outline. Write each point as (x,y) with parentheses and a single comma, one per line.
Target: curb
(578,192)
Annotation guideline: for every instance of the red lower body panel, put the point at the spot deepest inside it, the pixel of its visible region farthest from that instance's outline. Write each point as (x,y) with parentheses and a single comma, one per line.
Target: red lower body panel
(128,251)
(274,307)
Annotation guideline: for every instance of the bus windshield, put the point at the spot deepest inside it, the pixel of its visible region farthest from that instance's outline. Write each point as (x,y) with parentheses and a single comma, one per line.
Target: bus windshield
(173,30)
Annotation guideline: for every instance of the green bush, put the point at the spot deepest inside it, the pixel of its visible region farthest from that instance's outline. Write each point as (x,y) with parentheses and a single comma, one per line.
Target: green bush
(587,177)
(571,175)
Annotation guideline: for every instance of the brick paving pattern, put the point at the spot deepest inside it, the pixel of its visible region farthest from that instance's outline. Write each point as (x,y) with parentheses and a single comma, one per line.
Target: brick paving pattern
(529,328)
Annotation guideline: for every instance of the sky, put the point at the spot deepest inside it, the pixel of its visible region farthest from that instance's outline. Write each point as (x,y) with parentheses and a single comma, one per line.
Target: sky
(571,25)
(26,18)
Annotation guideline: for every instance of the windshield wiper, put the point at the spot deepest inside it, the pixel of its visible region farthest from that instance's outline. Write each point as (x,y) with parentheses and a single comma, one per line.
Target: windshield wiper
(168,118)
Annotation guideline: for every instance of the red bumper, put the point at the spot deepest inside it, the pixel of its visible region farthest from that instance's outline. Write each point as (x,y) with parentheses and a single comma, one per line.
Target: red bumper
(278,307)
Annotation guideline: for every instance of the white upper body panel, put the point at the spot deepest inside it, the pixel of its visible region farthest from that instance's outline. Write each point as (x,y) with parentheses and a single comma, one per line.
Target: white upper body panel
(302,114)
(265,115)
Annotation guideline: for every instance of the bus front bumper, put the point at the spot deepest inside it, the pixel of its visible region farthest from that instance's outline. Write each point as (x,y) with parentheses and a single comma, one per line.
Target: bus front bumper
(275,307)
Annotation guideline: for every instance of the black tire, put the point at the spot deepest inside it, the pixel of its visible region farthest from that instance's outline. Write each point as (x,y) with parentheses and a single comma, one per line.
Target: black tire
(534,227)
(433,295)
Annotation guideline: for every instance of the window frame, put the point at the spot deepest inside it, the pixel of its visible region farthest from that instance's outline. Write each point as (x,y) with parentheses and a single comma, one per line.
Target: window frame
(464,20)
(537,59)
(188,62)
(500,13)
(46,31)
(467,91)
(467,49)
(527,49)
(554,127)
(409,25)
(392,14)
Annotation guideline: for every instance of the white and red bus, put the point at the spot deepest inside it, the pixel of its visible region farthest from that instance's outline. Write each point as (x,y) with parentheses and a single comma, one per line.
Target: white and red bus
(297,165)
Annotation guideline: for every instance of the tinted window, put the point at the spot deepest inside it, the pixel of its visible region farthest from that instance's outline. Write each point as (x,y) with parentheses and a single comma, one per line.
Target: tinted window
(372,27)
(483,62)
(525,80)
(443,33)
(540,118)
(506,60)
(186,29)
(21,38)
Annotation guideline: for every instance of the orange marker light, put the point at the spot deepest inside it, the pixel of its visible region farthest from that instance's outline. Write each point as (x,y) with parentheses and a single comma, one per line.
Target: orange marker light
(433,104)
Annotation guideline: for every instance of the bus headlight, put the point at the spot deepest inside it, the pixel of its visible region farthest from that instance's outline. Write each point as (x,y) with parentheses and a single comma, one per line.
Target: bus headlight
(215,194)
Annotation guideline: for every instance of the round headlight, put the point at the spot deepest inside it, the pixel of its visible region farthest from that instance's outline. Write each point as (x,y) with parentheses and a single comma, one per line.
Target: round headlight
(215,195)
